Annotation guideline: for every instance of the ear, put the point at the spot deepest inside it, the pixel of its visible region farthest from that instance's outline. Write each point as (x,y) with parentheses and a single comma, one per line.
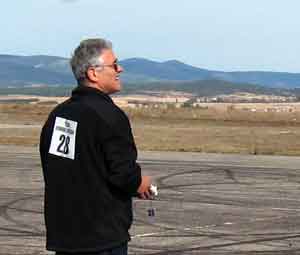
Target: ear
(92,75)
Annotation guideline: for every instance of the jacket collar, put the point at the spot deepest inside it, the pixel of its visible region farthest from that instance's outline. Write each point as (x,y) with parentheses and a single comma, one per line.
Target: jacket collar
(85,91)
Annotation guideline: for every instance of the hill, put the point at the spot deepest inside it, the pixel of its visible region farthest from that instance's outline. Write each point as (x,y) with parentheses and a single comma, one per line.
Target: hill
(175,70)
(20,71)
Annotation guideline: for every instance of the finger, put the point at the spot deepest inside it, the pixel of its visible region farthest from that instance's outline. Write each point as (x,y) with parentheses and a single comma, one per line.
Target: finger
(142,196)
(147,194)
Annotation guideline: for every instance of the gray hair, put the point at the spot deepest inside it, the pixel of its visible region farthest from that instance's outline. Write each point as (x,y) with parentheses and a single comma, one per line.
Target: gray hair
(87,55)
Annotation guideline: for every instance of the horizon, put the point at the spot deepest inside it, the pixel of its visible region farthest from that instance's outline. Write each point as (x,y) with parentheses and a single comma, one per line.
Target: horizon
(161,62)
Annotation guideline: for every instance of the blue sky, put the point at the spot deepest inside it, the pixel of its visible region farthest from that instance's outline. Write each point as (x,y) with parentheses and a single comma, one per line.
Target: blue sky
(221,35)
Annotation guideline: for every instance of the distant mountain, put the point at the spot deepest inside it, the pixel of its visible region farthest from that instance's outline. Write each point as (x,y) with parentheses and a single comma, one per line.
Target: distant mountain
(169,70)
(50,70)
(27,70)
(176,70)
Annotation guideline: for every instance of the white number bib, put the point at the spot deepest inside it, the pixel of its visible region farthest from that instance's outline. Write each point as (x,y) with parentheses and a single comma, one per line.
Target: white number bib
(63,138)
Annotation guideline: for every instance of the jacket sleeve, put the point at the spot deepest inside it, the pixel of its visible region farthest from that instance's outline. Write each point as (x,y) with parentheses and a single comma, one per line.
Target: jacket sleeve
(120,155)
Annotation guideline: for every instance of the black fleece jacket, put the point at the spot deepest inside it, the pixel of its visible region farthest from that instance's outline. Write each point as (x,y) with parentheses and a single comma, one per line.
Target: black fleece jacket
(89,165)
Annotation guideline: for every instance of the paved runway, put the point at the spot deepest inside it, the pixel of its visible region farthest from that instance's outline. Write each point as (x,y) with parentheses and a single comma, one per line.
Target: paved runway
(207,204)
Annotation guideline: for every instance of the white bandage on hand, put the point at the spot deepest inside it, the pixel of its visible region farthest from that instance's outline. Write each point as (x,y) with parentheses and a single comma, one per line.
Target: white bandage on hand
(154,190)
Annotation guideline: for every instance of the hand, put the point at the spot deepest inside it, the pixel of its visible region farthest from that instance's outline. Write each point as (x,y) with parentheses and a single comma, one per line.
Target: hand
(144,188)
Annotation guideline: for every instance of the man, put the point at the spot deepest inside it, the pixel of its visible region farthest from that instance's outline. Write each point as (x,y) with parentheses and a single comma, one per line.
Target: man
(89,164)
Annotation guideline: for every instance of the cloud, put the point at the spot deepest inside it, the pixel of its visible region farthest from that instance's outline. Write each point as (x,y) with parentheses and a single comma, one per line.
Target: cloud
(69,1)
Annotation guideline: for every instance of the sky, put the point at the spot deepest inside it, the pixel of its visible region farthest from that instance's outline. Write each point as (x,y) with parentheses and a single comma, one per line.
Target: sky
(226,35)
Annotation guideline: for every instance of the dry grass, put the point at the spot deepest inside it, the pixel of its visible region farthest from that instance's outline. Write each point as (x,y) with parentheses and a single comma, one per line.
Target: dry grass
(24,113)
(185,129)
(215,136)
(217,130)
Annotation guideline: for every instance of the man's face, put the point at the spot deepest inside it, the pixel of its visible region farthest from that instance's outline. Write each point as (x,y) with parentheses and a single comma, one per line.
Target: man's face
(107,76)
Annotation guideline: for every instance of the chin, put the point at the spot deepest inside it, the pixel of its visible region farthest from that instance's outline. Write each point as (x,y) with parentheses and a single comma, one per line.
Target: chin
(118,87)
(115,90)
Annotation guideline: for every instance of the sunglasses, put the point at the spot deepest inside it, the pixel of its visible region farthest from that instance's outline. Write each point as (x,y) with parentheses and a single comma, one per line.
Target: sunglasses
(114,65)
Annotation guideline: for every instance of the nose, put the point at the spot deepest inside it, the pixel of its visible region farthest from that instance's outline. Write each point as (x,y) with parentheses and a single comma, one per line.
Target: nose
(120,69)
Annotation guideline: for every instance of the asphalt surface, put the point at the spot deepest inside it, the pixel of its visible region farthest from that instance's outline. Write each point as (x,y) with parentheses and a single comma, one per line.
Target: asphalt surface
(207,204)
